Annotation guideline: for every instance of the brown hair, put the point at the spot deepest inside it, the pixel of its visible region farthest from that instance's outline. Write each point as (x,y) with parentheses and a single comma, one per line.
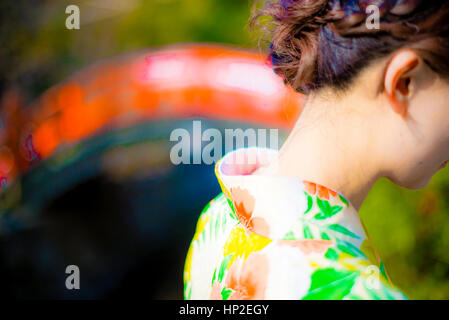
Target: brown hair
(318,43)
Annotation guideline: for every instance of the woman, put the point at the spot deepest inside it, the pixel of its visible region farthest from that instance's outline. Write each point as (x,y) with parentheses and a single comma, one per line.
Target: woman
(286,226)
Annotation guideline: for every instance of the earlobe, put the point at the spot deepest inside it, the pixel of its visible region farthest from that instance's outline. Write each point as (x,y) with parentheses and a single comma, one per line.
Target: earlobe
(398,79)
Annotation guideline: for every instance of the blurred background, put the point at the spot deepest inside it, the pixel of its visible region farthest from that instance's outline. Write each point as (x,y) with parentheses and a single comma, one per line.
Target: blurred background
(85,173)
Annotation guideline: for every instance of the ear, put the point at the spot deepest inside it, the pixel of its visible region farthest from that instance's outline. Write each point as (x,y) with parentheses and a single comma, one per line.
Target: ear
(399,77)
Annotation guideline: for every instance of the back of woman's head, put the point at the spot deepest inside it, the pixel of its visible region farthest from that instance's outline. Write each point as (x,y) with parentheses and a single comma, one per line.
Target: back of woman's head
(326,43)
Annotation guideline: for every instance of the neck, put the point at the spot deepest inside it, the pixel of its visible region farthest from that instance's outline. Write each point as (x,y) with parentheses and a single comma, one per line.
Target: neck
(333,149)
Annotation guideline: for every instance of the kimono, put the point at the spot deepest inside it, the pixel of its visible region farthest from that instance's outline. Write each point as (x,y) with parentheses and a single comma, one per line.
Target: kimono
(275,237)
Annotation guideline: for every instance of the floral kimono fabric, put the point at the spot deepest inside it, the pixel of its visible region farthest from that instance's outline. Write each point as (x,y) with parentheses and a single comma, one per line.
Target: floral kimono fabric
(270,237)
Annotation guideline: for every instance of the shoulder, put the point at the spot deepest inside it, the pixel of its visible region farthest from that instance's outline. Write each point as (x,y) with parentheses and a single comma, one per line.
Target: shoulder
(215,217)
(215,223)
(227,262)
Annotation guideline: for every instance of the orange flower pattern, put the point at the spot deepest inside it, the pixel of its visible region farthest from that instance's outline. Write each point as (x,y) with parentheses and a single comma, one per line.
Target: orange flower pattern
(323,192)
(248,281)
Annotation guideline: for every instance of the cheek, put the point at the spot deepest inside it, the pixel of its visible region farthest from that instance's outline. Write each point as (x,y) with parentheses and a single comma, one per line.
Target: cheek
(420,161)
(436,119)
(429,114)
(413,176)
(426,160)
(437,145)
(418,178)
(425,145)
(430,135)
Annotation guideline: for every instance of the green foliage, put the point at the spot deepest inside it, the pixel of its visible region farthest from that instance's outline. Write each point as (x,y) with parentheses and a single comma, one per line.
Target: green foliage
(44,47)
(410,229)
(166,22)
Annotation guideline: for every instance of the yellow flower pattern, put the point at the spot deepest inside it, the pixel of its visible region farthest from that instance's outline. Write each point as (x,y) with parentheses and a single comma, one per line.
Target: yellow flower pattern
(240,244)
